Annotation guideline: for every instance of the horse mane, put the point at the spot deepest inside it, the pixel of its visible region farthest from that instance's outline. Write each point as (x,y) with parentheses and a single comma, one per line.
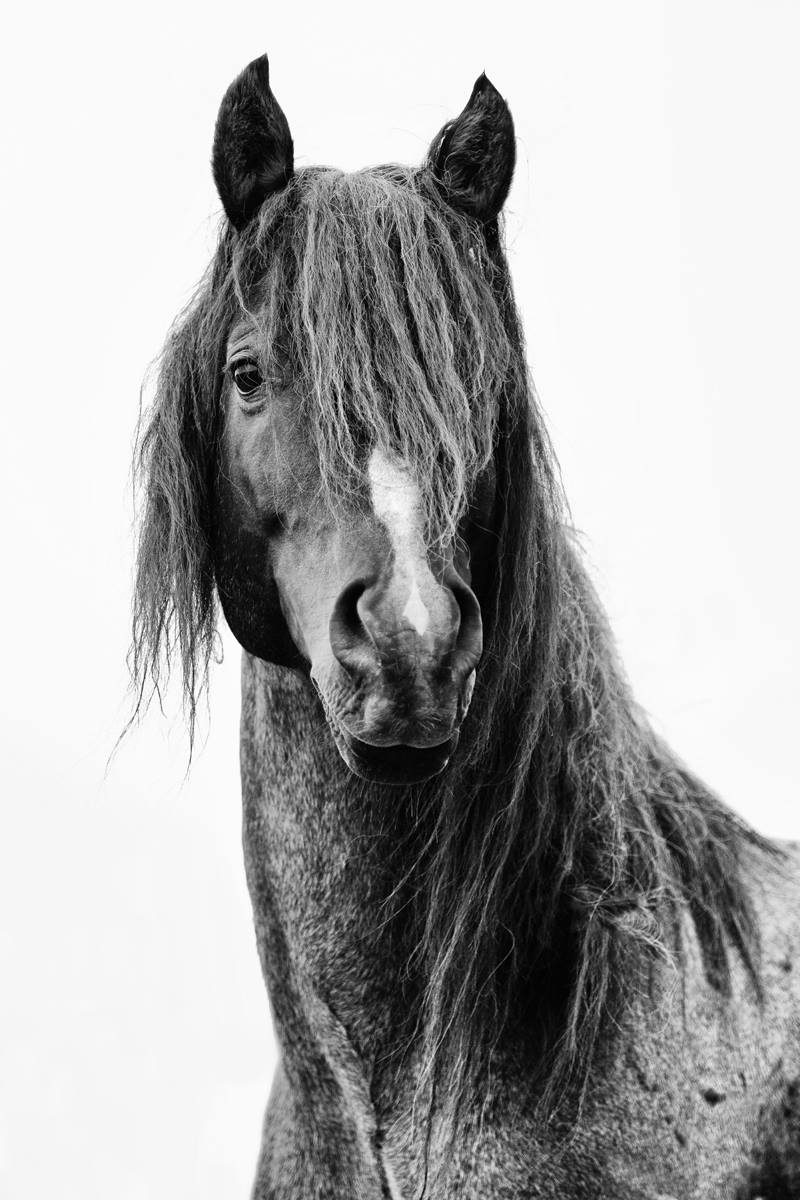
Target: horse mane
(565,836)
(554,861)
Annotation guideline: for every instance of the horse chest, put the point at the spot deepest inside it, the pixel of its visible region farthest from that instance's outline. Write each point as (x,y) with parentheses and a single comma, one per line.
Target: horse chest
(653,1129)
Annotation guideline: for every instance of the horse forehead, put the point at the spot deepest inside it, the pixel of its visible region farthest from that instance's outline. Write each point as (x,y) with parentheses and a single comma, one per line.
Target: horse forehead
(394,492)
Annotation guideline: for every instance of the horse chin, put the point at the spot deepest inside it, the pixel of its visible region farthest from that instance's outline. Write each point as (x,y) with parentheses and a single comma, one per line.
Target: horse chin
(396,765)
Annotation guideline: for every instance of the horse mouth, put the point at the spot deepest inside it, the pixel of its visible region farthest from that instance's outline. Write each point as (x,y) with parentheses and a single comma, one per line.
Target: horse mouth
(394,765)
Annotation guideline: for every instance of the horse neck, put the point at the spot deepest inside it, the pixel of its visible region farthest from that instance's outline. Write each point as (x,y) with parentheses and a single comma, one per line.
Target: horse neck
(319,863)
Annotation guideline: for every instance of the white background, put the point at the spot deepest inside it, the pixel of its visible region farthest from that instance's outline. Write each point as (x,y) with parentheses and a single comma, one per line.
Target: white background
(653,235)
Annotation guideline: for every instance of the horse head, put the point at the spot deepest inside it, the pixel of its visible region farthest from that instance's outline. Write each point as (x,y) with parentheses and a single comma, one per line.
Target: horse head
(338,429)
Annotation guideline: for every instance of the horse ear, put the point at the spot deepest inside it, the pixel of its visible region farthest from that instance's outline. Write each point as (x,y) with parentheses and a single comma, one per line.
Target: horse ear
(473,156)
(253,153)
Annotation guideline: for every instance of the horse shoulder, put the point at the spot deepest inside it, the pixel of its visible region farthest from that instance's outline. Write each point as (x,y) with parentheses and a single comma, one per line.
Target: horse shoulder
(704,1097)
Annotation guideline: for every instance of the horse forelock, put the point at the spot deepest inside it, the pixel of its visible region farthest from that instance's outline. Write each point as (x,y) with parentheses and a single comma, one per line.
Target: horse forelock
(384,303)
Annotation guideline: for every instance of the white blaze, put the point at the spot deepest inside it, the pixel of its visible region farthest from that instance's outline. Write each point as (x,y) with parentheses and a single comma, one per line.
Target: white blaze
(395,502)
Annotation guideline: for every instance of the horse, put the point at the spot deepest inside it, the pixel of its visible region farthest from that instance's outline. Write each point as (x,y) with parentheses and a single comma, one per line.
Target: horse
(513,946)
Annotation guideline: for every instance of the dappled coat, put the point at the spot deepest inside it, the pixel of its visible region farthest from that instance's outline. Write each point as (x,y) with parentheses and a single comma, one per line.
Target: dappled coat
(514,948)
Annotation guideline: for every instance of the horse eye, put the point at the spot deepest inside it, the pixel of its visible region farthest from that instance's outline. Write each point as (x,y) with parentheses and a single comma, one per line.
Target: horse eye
(247,377)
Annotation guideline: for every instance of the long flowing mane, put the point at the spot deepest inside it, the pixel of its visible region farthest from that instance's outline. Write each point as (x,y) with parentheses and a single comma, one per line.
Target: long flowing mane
(558,849)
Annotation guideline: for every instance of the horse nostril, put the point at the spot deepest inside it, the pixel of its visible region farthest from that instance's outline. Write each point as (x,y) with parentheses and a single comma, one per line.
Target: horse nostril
(469,642)
(350,641)
(369,630)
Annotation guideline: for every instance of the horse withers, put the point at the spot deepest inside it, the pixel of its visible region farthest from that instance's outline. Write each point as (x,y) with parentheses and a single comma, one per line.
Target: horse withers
(514,948)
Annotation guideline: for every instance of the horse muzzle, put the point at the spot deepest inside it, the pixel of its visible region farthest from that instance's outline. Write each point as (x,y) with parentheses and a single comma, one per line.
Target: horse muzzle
(402,679)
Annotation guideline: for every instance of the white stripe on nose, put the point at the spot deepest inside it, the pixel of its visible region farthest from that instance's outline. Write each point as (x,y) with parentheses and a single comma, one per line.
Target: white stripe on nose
(395,502)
